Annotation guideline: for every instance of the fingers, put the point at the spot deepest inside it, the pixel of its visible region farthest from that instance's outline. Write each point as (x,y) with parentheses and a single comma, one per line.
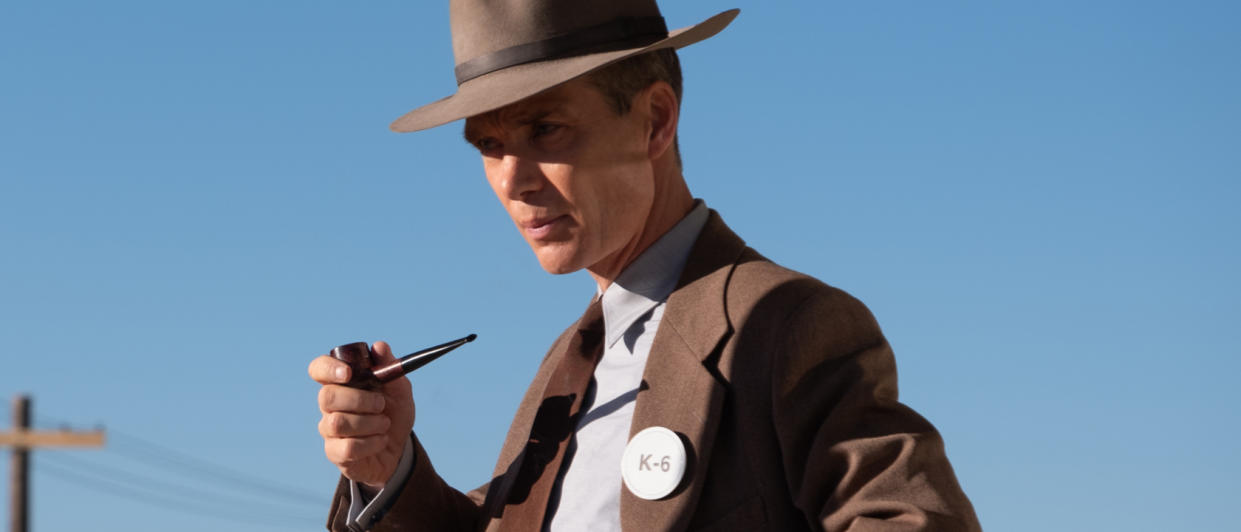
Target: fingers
(328,370)
(348,450)
(382,353)
(337,398)
(341,425)
(397,389)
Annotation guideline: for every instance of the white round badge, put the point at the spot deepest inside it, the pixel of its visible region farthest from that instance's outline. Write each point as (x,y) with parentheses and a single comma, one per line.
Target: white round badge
(653,463)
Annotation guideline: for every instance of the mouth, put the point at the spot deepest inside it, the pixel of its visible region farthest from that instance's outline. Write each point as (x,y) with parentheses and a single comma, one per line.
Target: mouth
(541,228)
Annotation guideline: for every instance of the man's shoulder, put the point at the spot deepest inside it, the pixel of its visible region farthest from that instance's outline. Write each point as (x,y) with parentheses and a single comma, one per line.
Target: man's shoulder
(749,277)
(756,278)
(761,292)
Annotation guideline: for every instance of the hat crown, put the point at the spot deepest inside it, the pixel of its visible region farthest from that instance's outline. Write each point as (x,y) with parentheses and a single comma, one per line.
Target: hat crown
(483,27)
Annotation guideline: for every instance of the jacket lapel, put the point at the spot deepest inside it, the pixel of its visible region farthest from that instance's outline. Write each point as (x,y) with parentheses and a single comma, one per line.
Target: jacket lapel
(678,391)
(511,454)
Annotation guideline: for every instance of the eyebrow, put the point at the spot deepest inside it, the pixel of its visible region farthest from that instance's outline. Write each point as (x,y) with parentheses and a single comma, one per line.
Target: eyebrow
(523,118)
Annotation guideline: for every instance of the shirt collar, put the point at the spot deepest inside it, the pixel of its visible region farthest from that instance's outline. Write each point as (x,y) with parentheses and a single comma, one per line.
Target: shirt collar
(650,278)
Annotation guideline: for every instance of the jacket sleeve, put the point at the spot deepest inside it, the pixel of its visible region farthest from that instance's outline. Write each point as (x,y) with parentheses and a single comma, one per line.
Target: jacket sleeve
(425,503)
(855,458)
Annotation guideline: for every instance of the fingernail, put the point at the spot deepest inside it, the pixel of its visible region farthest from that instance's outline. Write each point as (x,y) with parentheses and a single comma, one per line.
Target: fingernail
(341,374)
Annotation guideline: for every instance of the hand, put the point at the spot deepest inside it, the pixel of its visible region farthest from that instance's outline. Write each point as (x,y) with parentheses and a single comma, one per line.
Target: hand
(364,432)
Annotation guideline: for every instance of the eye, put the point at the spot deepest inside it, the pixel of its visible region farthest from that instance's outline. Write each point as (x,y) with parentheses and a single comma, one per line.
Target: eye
(486,145)
(542,129)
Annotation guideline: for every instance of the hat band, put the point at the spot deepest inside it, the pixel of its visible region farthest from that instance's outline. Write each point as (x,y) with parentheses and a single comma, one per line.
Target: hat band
(619,34)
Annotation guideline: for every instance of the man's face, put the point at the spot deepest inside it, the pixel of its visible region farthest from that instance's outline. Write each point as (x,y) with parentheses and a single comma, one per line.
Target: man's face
(574,176)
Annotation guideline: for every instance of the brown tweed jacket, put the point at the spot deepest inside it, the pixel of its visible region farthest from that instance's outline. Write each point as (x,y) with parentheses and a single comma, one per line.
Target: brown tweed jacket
(783,389)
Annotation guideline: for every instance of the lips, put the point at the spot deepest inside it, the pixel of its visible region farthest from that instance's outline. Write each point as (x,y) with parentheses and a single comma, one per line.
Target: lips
(539,228)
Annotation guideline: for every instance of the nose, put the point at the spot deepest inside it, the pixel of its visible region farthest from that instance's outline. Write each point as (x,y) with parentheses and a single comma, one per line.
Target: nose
(517,177)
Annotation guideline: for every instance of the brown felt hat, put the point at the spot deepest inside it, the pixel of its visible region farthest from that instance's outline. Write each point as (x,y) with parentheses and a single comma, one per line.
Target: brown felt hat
(508,50)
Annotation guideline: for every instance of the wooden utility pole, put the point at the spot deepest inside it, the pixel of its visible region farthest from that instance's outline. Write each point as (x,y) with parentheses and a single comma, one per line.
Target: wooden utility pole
(23,440)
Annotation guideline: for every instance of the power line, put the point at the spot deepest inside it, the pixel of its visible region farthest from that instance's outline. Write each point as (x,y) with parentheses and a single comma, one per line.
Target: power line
(142,450)
(154,499)
(188,491)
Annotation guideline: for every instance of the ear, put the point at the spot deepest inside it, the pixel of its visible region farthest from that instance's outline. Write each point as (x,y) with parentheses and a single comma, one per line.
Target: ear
(663,111)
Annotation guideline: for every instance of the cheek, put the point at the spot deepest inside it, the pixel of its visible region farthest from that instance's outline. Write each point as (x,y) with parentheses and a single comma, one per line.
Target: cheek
(623,176)
(626,204)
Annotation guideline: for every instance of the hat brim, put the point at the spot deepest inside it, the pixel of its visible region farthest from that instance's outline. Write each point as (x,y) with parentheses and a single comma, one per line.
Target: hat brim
(502,87)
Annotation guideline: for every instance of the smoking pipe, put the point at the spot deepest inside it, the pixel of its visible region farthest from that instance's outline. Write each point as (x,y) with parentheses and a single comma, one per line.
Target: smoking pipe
(362,375)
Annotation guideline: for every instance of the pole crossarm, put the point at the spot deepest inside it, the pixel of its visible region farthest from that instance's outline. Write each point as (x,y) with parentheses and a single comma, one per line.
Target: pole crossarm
(22,440)
(30,439)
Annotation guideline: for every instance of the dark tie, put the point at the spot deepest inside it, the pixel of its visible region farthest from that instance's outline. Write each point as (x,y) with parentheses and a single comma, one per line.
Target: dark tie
(553,426)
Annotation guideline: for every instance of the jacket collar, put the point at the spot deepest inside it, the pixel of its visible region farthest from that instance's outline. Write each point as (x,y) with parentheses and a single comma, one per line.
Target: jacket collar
(696,309)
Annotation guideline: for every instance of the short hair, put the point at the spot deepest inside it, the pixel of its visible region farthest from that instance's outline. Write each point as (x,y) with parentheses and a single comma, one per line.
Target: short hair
(619,82)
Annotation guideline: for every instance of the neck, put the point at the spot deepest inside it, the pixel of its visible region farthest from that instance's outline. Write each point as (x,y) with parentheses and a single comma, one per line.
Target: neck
(672,202)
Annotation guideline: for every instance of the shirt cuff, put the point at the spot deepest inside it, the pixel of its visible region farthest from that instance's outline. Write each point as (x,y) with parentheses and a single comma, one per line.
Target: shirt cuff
(365,506)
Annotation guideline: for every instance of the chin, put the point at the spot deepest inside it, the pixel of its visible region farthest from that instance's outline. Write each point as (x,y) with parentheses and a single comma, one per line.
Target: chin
(559,268)
(558,261)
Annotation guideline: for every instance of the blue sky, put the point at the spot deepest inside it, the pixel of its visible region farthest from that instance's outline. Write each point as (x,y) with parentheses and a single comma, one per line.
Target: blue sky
(1037,200)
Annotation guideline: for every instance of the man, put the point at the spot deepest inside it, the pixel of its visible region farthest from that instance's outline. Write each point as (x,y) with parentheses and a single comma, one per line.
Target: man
(705,388)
